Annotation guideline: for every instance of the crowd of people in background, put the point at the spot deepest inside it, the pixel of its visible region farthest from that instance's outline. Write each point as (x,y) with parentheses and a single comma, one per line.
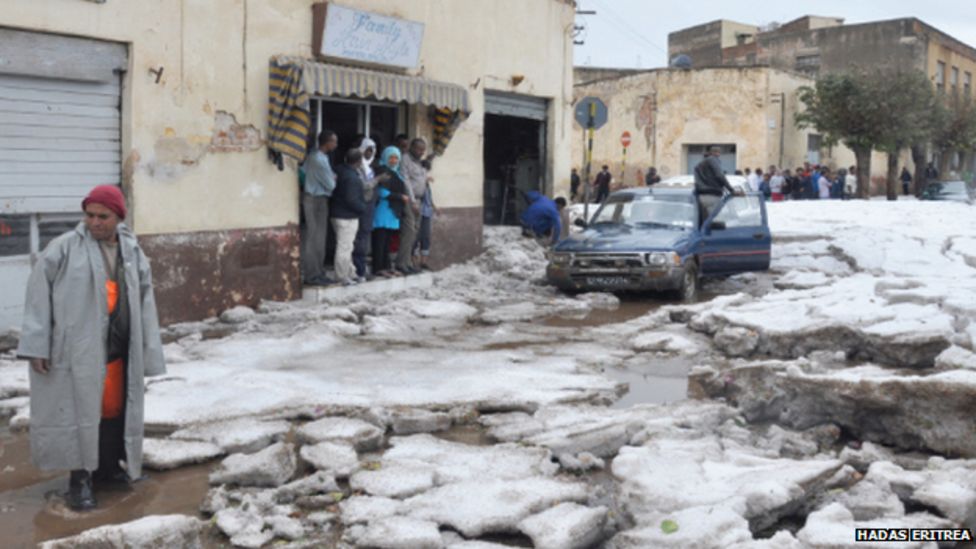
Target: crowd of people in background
(807,182)
(380,207)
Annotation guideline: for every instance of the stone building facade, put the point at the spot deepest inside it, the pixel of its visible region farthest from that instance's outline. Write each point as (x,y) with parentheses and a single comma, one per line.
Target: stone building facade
(673,114)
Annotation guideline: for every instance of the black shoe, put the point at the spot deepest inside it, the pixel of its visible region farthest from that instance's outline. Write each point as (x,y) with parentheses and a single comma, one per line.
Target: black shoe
(81,497)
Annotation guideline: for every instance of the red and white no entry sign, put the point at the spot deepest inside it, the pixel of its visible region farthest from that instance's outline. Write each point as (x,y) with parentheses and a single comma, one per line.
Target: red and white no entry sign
(625,139)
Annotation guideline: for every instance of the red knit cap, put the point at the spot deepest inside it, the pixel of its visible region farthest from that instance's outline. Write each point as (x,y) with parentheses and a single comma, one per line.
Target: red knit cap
(109,196)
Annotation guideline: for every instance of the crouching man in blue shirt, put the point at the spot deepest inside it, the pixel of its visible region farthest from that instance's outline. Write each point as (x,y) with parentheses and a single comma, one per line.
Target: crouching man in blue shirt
(541,218)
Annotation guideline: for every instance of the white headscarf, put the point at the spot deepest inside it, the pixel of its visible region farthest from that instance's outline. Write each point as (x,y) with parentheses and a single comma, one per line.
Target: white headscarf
(366,167)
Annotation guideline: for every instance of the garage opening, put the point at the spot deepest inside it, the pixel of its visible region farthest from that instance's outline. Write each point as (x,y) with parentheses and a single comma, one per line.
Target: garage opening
(514,154)
(695,153)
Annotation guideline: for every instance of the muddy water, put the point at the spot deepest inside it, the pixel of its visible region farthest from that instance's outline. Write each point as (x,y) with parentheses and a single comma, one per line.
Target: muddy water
(629,309)
(32,511)
(658,381)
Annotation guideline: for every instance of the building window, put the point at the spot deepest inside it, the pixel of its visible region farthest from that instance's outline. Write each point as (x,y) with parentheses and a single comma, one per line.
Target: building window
(814,144)
(940,76)
(967,84)
(954,79)
(808,63)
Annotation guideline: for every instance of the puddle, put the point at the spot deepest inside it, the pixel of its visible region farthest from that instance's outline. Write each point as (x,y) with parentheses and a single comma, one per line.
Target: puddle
(647,388)
(471,434)
(632,305)
(654,381)
(629,309)
(31,511)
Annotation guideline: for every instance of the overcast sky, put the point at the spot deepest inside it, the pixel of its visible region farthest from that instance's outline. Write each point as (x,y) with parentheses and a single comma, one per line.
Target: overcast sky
(634,33)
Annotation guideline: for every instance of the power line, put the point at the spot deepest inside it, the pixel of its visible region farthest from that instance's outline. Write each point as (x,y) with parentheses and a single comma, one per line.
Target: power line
(621,24)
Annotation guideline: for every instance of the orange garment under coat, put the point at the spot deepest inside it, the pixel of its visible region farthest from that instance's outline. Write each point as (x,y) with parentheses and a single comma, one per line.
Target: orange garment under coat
(114,392)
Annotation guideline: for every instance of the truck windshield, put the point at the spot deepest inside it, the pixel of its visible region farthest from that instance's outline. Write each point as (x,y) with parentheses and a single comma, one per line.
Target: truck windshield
(647,210)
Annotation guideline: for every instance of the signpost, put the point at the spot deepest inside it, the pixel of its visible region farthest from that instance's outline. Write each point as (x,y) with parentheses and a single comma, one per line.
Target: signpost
(625,141)
(591,114)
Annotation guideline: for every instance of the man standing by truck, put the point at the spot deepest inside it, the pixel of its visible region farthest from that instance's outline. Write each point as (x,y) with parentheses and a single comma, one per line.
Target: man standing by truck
(711,184)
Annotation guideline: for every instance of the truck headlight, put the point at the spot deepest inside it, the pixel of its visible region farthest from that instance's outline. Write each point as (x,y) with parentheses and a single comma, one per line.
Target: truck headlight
(656,259)
(661,260)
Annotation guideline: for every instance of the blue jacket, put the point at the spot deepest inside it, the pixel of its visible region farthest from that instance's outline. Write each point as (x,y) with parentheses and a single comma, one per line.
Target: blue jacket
(542,215)
(837,188)
(813,190)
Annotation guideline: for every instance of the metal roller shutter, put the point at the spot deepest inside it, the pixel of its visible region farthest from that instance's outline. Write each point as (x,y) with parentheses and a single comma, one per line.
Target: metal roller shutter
(60,135)
(521,106)
(58,138)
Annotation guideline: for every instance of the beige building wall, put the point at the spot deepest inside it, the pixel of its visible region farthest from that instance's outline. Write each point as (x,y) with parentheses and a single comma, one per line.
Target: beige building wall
(666,110)
(192,194)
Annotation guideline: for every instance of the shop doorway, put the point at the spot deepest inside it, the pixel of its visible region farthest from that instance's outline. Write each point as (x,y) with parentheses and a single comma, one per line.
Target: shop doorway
(352,119)
(514,154)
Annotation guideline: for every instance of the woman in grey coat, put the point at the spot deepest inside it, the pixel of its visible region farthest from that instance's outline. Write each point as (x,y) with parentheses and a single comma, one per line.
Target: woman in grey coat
(89,307)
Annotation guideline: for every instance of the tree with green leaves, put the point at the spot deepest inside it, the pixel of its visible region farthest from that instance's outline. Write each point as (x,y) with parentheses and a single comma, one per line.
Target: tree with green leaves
(956,131)
(911,115)
(843,107)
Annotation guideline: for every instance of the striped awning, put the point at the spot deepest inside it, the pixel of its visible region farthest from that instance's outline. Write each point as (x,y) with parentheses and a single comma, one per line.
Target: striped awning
(295,80)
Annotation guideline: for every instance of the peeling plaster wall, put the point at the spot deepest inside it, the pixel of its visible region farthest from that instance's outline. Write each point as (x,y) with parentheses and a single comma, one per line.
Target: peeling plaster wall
(667,109)
(214,57)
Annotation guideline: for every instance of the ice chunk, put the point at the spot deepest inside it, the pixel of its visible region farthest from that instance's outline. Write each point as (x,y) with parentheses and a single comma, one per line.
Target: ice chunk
(401,533)
(456,462)
(705,527)
(321,482)
(237,315)
(273,466)
(237,435)
(394,480)
(565,526)
(478,507)
(833,525)
(359,509)
(415,420)
(145,533)
(362,435)
(337,458)
(164,454)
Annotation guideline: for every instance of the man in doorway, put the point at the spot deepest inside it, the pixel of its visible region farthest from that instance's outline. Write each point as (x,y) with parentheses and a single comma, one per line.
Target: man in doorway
(347,205)
(711,184)
(402,142)
(542,218)
(415,176)
(574,183)
(602,183)
(91,334)
(320,181)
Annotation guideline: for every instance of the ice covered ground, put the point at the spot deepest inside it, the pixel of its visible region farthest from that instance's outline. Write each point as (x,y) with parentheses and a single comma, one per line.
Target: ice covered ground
(828,390)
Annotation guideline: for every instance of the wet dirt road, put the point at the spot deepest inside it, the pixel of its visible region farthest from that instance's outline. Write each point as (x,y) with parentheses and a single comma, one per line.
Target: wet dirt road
(32,511)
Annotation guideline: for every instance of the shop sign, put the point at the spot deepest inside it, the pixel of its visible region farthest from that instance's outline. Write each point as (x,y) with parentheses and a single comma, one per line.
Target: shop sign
(356,35)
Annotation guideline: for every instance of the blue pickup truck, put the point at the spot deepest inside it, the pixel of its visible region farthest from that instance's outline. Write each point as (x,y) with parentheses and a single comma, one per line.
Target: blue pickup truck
(653,239)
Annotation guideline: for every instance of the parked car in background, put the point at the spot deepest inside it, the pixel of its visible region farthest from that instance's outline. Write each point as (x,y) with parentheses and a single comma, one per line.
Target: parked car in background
(955,191)
(738,182)
(653,239)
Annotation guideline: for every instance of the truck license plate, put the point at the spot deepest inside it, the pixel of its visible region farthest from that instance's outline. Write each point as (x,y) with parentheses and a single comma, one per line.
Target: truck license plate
(607,281)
